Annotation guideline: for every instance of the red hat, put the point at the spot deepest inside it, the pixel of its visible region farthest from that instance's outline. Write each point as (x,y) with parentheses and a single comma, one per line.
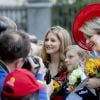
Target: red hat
(87,13)
(20,82)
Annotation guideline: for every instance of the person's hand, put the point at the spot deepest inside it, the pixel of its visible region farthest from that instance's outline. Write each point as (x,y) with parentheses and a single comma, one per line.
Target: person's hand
(93,83)
(96,40)
(50,88)
(42,69)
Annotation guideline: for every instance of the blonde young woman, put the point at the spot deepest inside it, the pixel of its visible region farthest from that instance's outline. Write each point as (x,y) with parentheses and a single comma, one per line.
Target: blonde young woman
(53,54)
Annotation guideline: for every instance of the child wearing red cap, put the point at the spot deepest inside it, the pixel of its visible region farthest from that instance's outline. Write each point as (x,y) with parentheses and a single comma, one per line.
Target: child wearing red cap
(21,85)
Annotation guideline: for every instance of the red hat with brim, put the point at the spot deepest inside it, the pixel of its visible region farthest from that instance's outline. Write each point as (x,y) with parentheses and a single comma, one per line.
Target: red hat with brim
(87,13)
(19,83)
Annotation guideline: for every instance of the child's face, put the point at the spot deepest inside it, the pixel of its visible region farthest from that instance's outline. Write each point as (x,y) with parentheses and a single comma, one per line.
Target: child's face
(72,59)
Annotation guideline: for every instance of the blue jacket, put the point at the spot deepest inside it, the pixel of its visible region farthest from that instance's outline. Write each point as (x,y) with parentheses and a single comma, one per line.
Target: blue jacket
(3,73)
(42,93)
(95,54)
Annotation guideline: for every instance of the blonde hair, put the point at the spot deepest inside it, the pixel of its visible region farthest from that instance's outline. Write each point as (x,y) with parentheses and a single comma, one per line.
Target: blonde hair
(64,39)
(81,52)
(91,27)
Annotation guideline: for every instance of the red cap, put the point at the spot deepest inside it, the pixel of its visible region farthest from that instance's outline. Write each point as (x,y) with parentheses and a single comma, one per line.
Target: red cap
(20,82)
(87,13)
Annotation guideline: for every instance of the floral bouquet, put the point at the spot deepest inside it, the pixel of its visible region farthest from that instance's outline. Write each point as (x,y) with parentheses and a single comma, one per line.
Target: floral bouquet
(59,81)
(75,77)
(92,68)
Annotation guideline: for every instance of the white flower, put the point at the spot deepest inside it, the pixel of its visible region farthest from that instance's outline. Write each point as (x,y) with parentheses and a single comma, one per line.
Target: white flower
(72,79)
(76,73)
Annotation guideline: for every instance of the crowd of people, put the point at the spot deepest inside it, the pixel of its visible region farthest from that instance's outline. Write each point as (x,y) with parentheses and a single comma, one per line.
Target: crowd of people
(54,69)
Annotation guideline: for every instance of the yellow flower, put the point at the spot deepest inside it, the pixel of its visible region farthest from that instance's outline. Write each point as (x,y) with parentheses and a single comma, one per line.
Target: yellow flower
(97,62)
(56,85)
(92,67)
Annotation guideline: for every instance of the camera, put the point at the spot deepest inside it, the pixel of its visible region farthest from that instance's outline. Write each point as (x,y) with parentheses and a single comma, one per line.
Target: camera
(47,77)
(28,65)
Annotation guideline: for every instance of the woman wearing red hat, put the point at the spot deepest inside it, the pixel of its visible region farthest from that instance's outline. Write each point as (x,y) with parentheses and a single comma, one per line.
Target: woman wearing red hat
(87,27)
(91,30)
(86,33)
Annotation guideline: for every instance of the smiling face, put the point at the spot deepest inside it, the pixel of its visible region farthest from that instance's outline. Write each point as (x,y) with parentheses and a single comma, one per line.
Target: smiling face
(52,44)
(94,42)
(91,31)
(72,59)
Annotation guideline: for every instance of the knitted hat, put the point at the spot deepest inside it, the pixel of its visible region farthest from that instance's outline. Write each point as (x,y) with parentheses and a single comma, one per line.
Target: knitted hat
(87,13)
(20,83)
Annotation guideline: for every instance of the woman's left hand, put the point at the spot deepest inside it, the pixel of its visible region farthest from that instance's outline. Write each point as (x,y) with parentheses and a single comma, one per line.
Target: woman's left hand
(93,83)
